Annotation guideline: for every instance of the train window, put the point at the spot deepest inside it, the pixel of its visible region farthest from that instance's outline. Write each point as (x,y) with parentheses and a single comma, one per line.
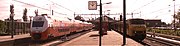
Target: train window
(37,23)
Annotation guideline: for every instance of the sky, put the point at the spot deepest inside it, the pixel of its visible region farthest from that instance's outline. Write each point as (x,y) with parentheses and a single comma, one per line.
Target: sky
(147,9)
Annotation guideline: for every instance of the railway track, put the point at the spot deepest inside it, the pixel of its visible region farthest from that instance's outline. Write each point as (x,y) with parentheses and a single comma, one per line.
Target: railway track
(166,36)
(155,41)
(143,43)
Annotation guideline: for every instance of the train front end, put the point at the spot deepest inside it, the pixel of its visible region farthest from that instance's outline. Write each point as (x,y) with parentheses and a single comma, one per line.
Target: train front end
(137,29)
(38,28)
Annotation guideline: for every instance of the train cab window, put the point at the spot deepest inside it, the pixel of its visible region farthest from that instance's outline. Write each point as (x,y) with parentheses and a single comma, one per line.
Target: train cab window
(37,23)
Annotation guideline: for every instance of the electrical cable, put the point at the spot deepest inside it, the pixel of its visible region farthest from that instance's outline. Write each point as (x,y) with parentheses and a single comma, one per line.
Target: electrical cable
(38,7)
(162,9)
(61,6)
(144,5)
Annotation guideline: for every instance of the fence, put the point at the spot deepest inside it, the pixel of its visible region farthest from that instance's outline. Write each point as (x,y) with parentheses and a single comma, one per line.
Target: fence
(19,27)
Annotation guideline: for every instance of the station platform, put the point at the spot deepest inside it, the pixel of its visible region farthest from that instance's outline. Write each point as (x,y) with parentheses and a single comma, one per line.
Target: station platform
(6,40)
(92,39)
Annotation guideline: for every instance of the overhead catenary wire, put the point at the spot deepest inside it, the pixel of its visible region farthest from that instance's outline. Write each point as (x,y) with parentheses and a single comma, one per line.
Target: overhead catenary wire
(162,9)
(144,5)
(160,14)
(63,6)
(38,7)
(60,5)
(134,2)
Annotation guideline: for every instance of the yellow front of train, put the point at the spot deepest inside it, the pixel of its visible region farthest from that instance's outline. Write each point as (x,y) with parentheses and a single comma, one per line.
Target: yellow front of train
(136,29)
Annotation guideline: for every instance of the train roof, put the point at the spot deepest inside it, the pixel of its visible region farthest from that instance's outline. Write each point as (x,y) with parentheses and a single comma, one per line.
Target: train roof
(60,18)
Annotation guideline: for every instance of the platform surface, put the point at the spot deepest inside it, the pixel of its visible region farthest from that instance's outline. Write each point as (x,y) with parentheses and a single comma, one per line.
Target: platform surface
(92,39)
(8,38)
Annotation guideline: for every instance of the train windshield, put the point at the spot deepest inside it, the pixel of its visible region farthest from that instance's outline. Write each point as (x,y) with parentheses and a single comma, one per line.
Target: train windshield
(137,21)
(37,23)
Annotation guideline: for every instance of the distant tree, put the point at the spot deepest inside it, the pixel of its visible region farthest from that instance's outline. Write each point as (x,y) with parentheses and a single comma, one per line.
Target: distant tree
(25,15)
(163,24)
(36,12)
(12,12)
(177,16)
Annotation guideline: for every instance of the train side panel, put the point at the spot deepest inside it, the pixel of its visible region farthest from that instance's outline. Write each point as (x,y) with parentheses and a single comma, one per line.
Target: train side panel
(49,28)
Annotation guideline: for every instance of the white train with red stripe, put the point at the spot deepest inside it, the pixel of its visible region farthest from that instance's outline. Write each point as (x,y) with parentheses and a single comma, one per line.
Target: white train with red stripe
(44,27)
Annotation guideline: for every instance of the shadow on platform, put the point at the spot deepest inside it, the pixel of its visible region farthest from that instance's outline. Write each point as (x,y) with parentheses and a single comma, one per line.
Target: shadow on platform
(94,35)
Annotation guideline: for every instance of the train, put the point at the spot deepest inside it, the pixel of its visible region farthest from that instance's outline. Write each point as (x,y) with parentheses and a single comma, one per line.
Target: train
(46,27)
(136,28)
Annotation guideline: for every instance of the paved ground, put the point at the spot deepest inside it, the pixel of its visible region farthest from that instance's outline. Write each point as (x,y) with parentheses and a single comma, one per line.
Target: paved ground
(92,39)
(8,38)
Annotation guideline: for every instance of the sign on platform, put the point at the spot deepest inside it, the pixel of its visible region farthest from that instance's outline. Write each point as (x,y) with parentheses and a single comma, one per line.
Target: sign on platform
(92,5)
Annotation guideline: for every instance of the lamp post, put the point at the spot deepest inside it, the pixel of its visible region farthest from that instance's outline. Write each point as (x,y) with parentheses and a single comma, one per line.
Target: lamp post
(100,12)
(124,22)
(100,32)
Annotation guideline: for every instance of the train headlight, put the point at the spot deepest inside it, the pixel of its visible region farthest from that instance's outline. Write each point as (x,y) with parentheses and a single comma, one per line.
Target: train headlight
(134,31)
(37,31)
